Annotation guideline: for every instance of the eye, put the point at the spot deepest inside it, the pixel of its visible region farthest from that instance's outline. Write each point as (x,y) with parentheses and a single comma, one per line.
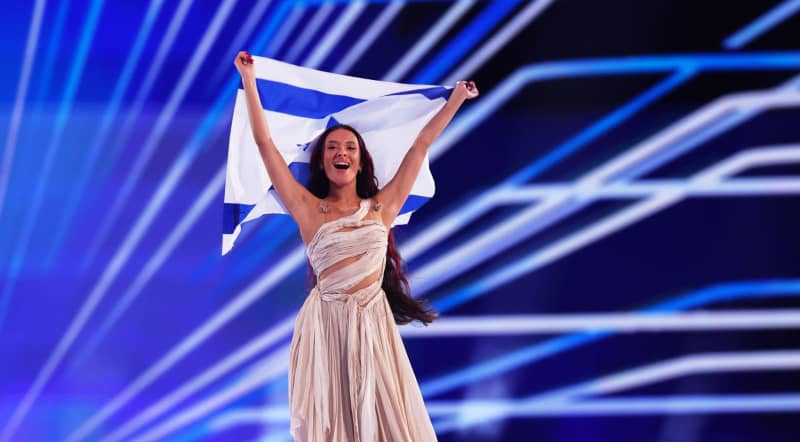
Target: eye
(351,147)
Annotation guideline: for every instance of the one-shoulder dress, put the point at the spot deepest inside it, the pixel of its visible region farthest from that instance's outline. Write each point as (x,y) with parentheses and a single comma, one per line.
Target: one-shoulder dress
(349,375)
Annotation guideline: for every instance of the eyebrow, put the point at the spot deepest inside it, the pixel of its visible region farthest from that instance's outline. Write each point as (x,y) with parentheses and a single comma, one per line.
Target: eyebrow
(336,142)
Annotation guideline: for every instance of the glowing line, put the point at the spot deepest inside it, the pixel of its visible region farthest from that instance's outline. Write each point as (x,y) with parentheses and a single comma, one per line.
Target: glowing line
(482,411)
(543,256)
(541,72)
(286,30)
(165,188)
(189,220)
(209,375)
(631,405)
(729,188)
(323,11)
(251,294)
(494,13)
(617,221)
(51,152)
(76,70)
(167,113)
(253,17)
(272,235)
(762,24)
(496,325)
(135,109)
(682,366)
(424,44)
(678,367)
(19,102)
(369,36)
(175,236)
(53,48)
(343,23)
(498,41)
(240,302)
(521,225)
(551,347)
(686,301)
(143,222)
(479,205)
(232,308)
(87,166)
(269,368)
(499,325)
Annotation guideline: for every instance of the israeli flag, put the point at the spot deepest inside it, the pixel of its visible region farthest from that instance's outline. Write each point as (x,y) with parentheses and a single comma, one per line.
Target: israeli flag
(299,104)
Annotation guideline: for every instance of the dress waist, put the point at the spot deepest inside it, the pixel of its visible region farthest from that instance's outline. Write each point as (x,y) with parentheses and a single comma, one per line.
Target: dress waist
(362,297)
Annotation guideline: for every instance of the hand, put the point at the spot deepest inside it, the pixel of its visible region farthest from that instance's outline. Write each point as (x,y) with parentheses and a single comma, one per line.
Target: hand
(465,90)
(244,64)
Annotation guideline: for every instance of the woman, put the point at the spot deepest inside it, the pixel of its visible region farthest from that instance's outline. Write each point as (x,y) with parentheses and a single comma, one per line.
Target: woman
(349,375)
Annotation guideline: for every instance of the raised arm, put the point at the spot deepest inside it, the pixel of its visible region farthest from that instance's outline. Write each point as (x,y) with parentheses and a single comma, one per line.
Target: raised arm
(395,192)
(297,199)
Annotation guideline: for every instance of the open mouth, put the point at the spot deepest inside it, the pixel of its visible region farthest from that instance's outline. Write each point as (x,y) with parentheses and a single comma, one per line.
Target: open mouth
(341,165)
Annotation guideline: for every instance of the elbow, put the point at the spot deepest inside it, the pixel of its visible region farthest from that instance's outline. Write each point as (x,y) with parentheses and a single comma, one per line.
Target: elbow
(263,142)
(424,140)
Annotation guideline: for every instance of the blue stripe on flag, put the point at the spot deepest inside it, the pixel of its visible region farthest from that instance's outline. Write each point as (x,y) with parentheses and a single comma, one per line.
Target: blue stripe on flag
(233,214)
(431,93)
(301,172)
(413,202)
(301,102)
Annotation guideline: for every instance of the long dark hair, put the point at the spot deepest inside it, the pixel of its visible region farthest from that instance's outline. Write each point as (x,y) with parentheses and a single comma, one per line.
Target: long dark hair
(404,308)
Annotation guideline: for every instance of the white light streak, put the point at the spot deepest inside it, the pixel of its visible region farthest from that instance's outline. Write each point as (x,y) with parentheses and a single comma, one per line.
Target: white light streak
(206,377)
(254,15)
(369,36)
(285,30)
(136,108)
(498,41)
(501,325)
(269,368)
(730,188)
(19,101)
(239,303)
(424,44)
(521,225)
(342,25)
(323,11)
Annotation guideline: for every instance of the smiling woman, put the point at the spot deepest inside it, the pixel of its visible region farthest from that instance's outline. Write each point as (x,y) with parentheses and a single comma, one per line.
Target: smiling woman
(350,378)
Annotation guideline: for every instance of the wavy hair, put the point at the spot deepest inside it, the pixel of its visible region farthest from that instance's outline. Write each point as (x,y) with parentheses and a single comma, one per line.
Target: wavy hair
(395,283)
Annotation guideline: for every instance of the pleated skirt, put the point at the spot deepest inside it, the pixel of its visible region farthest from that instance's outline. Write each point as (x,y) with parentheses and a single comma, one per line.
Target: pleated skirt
(350,378)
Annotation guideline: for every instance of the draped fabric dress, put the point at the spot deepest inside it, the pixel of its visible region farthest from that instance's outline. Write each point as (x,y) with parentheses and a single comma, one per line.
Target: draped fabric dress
(350,379)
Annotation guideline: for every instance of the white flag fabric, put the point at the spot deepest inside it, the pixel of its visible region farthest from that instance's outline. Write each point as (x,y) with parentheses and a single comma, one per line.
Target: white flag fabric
(299,104)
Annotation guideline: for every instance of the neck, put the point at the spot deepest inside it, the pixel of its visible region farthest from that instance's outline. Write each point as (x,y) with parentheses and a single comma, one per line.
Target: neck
(343,195)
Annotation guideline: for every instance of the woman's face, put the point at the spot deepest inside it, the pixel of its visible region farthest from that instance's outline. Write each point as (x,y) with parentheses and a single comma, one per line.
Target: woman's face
(342,157)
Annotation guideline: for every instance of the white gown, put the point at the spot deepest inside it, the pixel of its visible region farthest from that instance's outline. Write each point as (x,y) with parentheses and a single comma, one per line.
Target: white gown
(349,375)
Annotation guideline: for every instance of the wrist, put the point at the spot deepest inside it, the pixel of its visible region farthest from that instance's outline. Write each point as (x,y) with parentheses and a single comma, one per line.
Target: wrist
(456,99)
(249,79)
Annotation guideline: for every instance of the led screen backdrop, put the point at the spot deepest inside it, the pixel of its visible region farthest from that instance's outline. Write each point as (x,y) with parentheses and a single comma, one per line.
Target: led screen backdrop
(612,246)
